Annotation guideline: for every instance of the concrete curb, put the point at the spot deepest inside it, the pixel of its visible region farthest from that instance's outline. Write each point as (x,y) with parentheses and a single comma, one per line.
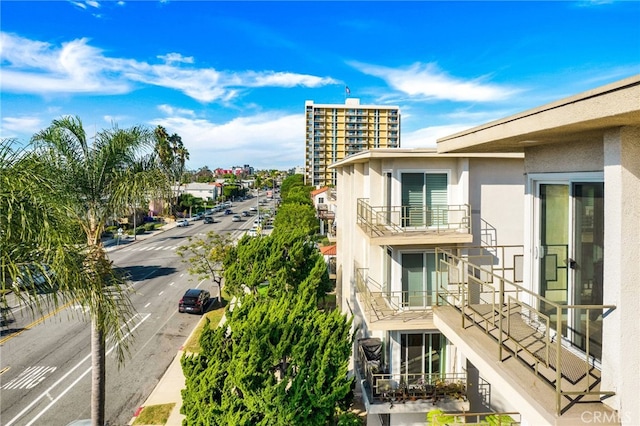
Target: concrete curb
(168,390)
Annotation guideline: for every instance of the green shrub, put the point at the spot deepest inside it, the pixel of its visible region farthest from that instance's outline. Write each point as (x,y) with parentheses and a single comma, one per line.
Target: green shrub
(499,420)
(149,226)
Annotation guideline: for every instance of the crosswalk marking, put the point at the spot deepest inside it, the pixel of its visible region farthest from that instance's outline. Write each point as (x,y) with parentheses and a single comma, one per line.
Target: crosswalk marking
(150,248)
(29,378)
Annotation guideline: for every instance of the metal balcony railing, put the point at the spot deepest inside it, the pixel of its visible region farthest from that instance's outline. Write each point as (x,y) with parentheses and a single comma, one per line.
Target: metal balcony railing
(556,341)
(382,387)
(380,304)
(384,220)
(476,419)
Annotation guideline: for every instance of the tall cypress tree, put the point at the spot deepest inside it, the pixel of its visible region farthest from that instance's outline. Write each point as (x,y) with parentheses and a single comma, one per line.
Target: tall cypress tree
(276,361)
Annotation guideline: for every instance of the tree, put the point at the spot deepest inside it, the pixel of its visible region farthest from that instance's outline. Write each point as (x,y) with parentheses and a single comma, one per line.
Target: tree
(205,256)
(188,201)
(296,216)
(290,182)
(172,156)
(274,362)
(35,231)
(96,181)
(280,260)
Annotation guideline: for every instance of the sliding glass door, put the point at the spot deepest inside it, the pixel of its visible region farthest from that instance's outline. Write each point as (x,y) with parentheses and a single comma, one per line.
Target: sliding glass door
(570,224)
(424,199)
(418,279)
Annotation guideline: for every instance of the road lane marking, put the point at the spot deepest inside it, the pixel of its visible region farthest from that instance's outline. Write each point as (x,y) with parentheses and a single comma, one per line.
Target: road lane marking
(160,294)
(4,370)
(47,392)
(172,283)
(147,305)
(29,378)
(36,322)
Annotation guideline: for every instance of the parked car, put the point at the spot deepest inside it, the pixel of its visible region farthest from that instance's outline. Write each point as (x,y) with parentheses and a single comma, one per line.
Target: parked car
(194,300)
(209,219)
(236,218)
(36,278)
(183,222)
(198,216)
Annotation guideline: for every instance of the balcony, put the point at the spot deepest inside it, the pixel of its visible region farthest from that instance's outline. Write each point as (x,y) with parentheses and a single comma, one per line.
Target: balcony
(542,353)
(475,419)
(407,225)
(397,393)
(393,310)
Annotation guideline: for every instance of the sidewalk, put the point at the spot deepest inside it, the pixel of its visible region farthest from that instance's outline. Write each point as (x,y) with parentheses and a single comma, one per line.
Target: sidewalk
(167,391)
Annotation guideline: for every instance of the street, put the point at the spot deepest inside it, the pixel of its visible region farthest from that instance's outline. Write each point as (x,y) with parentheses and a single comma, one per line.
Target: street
(46,362)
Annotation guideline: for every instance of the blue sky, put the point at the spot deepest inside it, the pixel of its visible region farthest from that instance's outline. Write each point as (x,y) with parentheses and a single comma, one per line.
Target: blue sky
(231,78)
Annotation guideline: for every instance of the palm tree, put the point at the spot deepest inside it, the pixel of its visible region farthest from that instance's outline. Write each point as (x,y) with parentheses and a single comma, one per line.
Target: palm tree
(100,179)
(35,230)
(172,155)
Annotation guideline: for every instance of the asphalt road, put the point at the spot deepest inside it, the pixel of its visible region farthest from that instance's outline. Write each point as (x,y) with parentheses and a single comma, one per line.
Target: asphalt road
(45,367)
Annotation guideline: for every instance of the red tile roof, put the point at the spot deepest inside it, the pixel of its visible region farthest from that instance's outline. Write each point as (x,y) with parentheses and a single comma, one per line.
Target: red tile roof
(329,250)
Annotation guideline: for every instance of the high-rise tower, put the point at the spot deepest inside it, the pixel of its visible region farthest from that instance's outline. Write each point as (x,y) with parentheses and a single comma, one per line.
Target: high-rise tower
(335,131)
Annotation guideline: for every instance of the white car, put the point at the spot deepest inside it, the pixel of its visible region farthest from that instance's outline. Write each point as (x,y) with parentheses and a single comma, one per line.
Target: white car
(182,223)
(236,218)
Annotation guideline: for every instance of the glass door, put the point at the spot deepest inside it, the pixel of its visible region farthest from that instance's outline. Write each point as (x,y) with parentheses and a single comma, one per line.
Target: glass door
(554,242)
(422,356)
(570,252)
(419,279)
(412,199)
(437,199)
(588,256)
(413,280)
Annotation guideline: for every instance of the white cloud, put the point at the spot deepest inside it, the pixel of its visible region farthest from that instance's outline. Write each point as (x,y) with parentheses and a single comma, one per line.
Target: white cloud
(176,57)
(76,67)
(114,119)
(428,81)
(169,110)
(37,67)
(83,5)
(13,126)
(262,141)
(285,79)
(79,4)
(427,137)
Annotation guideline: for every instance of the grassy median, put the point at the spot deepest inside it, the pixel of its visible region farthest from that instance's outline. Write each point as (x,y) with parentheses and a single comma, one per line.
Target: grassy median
(214,315)
(155,414)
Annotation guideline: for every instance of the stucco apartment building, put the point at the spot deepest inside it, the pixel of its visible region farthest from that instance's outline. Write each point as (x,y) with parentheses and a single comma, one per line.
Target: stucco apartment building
(334,131)
(503,266)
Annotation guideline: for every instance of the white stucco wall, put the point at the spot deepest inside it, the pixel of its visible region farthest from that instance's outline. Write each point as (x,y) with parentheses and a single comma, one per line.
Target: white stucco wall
(621,353)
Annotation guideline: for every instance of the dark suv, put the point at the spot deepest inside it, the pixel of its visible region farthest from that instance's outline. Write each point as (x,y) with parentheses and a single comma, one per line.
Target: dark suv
(194,300)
